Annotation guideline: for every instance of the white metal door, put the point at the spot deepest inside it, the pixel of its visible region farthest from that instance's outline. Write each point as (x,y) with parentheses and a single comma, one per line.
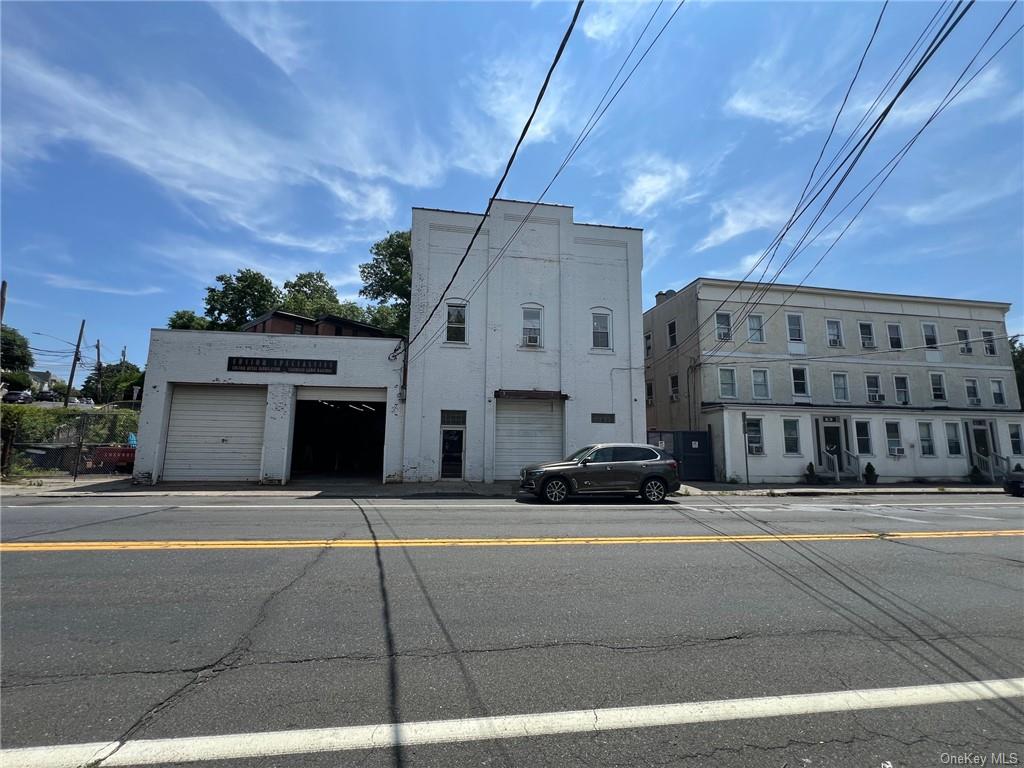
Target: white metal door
(215,433)
(526,432)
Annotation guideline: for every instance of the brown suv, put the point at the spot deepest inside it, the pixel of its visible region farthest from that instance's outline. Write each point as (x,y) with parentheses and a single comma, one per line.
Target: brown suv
(605,468)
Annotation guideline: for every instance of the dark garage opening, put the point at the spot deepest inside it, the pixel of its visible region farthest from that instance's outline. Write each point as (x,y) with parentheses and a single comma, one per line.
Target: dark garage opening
(339,439)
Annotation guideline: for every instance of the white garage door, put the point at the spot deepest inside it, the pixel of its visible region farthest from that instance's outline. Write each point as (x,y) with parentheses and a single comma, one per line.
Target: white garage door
(527,432)
(215,433)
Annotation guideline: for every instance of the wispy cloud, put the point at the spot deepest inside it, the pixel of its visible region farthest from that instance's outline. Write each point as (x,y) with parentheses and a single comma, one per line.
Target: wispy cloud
(959,200)
(83,284)
(654,180)
(743,213)
(914,109)
(607,19)
(279,35)
(739,270)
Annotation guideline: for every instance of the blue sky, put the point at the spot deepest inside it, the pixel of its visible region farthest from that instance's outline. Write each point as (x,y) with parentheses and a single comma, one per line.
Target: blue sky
(150,146)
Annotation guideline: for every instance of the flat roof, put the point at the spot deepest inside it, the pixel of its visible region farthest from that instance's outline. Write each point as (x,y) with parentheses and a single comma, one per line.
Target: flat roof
(525,202)
(845,292)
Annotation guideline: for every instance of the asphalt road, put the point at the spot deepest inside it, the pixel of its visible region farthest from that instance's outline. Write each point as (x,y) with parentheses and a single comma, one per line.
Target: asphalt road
(256,616)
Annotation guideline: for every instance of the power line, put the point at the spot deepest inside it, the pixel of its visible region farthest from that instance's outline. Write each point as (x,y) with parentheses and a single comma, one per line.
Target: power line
(508,167)
(592,121)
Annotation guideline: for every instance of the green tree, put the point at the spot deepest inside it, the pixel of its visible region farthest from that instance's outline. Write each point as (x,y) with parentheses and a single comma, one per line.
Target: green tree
(14,352)
(388,318)
(1017,353)
(387,277)
(187,320)
(16,381)
(240,298)
(115,381)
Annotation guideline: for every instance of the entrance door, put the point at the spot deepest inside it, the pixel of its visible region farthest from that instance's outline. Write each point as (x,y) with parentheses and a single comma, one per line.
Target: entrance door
(452,453)
(981,445)
(833,443)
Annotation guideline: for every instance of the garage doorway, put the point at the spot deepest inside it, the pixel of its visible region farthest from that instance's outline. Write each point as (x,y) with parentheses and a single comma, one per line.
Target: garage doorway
(340,439)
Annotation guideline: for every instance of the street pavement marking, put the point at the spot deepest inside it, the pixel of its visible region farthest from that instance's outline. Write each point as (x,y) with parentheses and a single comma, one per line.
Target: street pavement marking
(545,541)
(387,735)
(897,517)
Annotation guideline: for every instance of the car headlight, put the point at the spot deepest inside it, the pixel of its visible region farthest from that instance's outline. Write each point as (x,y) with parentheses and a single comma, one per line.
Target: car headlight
(535,473)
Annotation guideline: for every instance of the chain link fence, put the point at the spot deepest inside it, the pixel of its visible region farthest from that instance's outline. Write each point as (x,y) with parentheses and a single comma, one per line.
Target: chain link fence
(38,442)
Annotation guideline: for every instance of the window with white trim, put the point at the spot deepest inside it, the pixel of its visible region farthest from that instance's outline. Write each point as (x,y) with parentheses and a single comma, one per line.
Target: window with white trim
(953,445)
(791,436)
(867,335)
(648,344)
(840,387)
(893,441)
(670,332)
(727,382)
(759,384)
(862,430)
(1016,439)
(795,327)
(723,326)
(834,332)
(964,337)
(930,331)
(601,322)
(998,393)
(901,384)
(673,385)
(456,330)
(755,437)
(988,338)
(973,395)
(938,381)
(800,386)
(873,383)
(532,336)
(895,335)
(755,328)
(926,438)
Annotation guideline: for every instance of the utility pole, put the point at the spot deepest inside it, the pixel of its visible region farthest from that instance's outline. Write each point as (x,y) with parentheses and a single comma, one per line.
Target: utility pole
(124,355)
(3,299)
(99,374)
(74,363)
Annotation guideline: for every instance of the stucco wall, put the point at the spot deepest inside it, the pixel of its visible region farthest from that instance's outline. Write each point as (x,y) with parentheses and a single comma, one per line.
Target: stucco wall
(564,268)
(200,357)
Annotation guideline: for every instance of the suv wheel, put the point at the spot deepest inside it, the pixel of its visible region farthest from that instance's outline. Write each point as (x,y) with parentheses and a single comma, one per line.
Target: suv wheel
(653,490)
(555,490)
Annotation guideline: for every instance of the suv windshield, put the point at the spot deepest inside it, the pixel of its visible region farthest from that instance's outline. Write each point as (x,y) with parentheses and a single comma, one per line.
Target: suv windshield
(580,453)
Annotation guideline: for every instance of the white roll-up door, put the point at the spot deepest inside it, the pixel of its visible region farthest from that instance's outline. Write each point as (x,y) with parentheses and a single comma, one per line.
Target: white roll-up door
(215,433)
(526,432)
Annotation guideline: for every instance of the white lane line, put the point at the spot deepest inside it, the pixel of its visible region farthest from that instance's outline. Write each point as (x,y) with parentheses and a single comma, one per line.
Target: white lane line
(897,517)
(300,742)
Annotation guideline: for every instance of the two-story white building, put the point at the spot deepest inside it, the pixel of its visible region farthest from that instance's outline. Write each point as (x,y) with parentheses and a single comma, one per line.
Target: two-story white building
(534,351)
(920,387)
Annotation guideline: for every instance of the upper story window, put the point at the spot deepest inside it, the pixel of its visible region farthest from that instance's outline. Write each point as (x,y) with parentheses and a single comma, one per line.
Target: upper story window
(973,396)
(648,344)
(840,387)
(649,387)
(867,335)
(727,382)
(670,331)
(601,322)
(989,340)
(873,382)
(673,385)
(755,328)
(456,330)
(795,327)
(938,386)
(964,337)
(800,382)
(723,326)
(895,335)
(930,331)
(532,333)
(902,386)
(759,384)
(834,329)
(998,393)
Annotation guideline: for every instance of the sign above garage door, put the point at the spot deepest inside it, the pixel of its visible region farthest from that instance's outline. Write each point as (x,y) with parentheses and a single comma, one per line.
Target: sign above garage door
(282,365)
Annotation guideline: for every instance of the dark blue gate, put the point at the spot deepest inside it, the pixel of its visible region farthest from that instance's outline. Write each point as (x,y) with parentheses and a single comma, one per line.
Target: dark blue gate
(691,448)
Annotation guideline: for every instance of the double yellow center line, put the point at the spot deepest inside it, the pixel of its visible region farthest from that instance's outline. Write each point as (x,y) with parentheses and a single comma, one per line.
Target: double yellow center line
(545,541)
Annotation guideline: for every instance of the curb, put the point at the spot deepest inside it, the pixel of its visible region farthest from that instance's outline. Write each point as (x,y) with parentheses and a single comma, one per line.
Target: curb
(808,492)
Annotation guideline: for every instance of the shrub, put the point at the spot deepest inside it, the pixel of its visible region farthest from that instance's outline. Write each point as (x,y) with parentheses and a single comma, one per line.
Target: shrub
(975,475)
(16,381)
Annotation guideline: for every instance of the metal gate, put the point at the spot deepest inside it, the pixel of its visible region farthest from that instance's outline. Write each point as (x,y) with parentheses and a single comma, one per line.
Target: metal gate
(691,448)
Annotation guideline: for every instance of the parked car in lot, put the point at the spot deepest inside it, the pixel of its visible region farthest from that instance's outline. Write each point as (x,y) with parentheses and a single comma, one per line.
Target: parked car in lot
(604,468)
(47,397)
(18,397)
(87,401)
(1013,483)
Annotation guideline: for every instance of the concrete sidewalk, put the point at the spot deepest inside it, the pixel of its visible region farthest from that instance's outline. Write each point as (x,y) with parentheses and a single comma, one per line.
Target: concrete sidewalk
(107,487)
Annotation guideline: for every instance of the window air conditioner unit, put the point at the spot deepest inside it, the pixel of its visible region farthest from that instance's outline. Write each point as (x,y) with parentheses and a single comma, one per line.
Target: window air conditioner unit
(724,336)
(903,400)
(531,341)
(974,401)
(895,451)
(965,350)
(674,398)
(867,344)
(756,450)
(835,342)
(876,397)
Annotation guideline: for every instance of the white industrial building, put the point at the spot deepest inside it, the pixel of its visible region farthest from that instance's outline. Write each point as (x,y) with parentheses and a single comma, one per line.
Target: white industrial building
(534,351)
